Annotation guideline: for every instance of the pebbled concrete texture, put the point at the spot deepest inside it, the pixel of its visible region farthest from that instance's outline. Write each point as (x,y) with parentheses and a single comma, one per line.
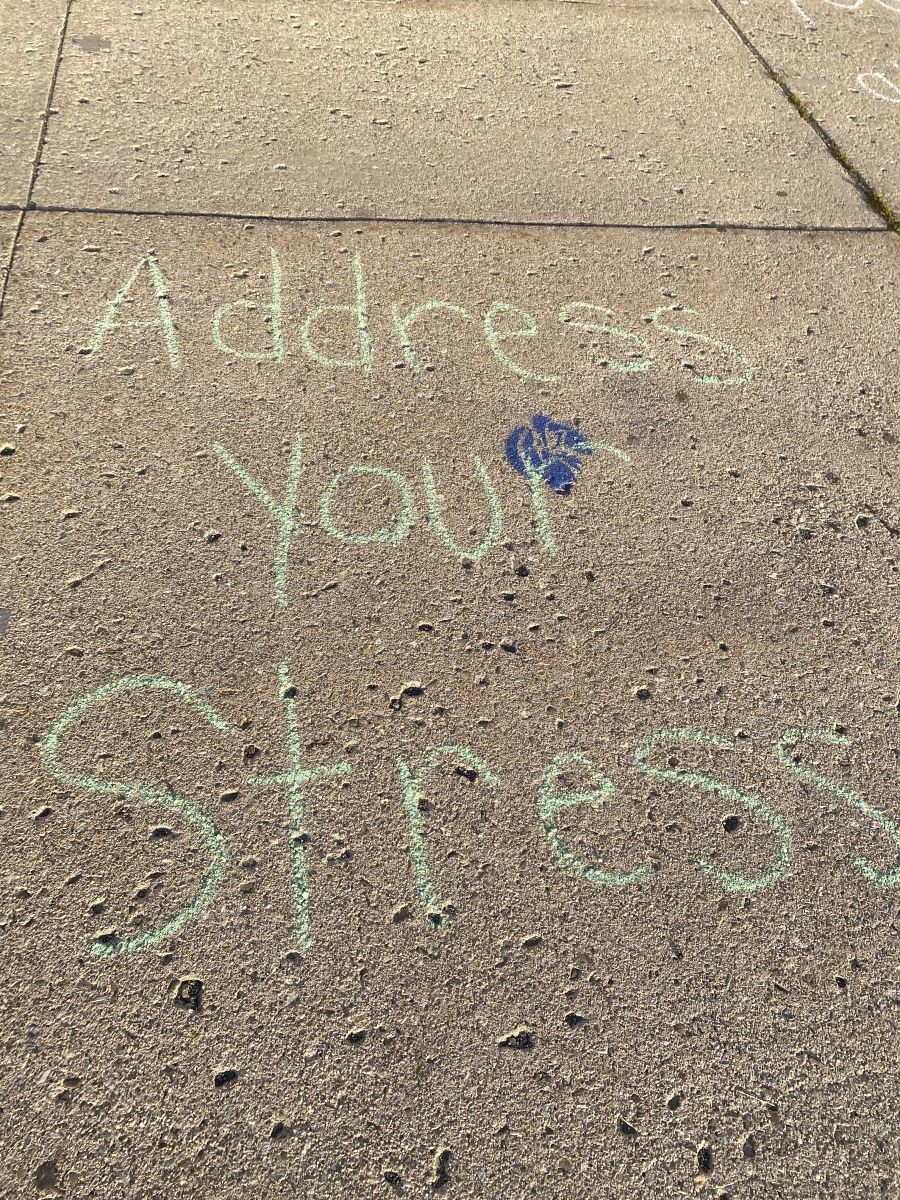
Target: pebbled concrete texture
(30,38)
(684,1033)
(8,224)
(843,61)
(647,113)
(448,670)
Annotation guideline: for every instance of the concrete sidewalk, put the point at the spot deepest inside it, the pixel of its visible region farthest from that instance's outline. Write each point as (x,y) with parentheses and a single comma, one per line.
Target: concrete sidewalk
(448,480)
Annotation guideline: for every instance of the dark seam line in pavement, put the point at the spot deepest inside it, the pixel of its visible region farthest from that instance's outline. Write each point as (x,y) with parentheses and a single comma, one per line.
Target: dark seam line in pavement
(869,193)
(7,270)
(38,154)
(489,222)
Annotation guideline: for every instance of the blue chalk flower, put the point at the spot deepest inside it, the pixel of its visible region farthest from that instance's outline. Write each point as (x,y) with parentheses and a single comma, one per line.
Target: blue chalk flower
(548,450)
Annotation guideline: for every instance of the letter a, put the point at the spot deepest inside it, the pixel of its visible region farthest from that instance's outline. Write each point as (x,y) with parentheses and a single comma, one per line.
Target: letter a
(163,321)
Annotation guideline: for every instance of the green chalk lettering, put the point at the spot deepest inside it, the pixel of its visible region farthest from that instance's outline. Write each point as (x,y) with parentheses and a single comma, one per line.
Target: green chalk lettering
(495,336)
(802,737)
(608,448)
(412,785)
(147,795)
(403,324)
(392,534)
(711,380)
(163,321)
(625,367)
(799,10)
(537,492)
(275,320)
(755,806)
(359,311)
(550,802)
(436,518)
(537,489)
(283,511)
(294,781)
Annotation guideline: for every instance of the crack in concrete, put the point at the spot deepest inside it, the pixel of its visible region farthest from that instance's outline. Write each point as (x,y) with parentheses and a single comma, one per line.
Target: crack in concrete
(868,192)
(38,155)
(870,195)
(490,222)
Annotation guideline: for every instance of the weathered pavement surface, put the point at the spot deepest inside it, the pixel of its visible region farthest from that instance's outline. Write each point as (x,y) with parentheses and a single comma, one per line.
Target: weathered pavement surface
(448,609)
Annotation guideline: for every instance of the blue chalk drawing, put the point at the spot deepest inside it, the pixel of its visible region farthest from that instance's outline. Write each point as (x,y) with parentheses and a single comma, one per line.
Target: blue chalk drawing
(548,450)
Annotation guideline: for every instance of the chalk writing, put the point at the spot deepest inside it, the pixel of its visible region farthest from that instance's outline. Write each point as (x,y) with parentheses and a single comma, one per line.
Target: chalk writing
(803,737)
(567,317)
(501,327)
(390,535)
(147,795)
(282,511)
(163,321)
(550,801)
(275,322)
(403,325)
(359,311)
(540,513)
(691,335)
(547,453)
(877,84)
(892,6)
(412,784)
(436,516)
(527,329)
(557,793)
(730,882)
(294,781)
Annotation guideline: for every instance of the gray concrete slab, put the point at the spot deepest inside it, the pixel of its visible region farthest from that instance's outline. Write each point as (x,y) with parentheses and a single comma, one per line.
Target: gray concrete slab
(843,61)
(666,967)
(611,113)
(28,47)
(8,223)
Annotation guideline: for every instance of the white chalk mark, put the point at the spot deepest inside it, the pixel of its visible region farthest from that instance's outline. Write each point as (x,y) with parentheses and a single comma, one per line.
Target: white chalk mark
(804,16)
(888,83)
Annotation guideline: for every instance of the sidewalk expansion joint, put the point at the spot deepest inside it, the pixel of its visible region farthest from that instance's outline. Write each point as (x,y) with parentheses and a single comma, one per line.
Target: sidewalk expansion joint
(869,194)
(455,222)
(36,161)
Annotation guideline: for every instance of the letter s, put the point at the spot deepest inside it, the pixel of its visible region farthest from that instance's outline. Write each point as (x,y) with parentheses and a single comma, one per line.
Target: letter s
(148,795)
(710,380)
(801,737)
(730,882)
